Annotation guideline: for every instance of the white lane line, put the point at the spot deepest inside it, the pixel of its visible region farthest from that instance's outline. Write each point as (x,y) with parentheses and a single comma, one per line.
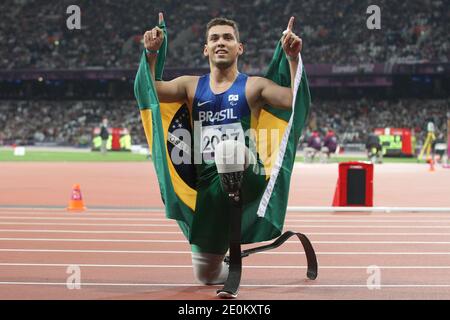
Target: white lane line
(175,225)
(174,285)
(297,209)
(185,241)
(336,220)
(189,252)
(170,266)
(89,224)
(368,209)
(96,240)
(96,231)
(180,233)
(83,218)
(96,209)
(161,214)
(352,215)
(368,226)
(83,213)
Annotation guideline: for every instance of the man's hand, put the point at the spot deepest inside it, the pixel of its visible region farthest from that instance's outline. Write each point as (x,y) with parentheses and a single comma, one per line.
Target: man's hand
(292,44)
(153,39)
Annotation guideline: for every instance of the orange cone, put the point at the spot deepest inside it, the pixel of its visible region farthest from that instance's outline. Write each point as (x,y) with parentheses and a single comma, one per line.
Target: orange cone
(431,162)
(76,201)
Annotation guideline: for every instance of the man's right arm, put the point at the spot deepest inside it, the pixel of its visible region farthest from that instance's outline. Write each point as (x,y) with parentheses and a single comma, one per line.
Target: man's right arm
(168,91)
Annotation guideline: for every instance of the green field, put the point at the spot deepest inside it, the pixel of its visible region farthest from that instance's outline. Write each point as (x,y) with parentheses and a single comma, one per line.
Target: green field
(343,158)
(61,156)
(83,156)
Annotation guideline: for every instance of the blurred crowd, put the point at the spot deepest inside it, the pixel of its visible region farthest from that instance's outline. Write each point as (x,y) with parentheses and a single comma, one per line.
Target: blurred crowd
(34,34)
(353,120)
(71,123)
(65,123)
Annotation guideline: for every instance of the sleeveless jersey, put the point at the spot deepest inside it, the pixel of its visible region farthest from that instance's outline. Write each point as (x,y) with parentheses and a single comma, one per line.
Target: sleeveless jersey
(218,117)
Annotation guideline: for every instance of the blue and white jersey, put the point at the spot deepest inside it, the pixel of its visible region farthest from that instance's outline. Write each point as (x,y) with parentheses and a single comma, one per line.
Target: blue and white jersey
(220,116)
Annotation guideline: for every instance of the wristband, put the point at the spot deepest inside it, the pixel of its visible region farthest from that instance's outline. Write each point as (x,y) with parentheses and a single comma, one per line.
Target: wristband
(151,51)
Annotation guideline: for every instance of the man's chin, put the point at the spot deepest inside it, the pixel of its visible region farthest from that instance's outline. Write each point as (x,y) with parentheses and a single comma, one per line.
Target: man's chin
(223,64)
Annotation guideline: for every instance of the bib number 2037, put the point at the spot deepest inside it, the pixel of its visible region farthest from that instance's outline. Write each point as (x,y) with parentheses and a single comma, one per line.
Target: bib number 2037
(212,135)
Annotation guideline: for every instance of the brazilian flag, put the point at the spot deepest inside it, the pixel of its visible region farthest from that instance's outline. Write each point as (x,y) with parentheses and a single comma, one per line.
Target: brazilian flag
(201,209)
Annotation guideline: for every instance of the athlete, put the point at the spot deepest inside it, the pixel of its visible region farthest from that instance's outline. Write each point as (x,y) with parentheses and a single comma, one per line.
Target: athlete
(329,147)
(313,146)
(374,148)
(224,99)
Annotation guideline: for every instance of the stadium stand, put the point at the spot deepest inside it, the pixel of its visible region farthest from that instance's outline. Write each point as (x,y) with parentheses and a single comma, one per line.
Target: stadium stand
(34,38)
(415,30)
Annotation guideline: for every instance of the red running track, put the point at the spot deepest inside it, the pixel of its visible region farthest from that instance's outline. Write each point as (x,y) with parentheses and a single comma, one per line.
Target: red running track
(136,255)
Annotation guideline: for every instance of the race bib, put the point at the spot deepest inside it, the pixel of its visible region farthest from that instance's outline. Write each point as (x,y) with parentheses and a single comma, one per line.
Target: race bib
(212,135)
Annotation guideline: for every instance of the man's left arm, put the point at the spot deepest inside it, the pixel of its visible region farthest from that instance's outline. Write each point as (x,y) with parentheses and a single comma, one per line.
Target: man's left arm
(272,93)
(292,46)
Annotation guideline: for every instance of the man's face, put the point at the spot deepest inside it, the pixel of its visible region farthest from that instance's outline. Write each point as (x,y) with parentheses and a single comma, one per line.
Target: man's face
(222,47)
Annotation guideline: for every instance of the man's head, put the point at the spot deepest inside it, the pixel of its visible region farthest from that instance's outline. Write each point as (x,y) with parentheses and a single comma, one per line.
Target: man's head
(223,45)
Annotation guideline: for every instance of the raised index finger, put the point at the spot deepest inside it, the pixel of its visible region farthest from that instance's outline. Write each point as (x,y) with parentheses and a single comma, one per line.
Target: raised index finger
(290,24)
(161,18)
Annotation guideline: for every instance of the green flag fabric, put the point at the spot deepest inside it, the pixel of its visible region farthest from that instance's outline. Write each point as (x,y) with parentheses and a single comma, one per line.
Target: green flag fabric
(197,202)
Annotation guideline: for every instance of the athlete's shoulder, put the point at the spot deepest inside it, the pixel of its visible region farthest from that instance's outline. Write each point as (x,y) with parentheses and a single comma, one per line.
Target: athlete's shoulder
(188,78)
(256,78)
(257,81)
(188,81)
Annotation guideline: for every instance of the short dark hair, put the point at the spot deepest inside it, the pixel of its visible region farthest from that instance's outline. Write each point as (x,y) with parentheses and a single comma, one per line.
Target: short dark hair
(222,22)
